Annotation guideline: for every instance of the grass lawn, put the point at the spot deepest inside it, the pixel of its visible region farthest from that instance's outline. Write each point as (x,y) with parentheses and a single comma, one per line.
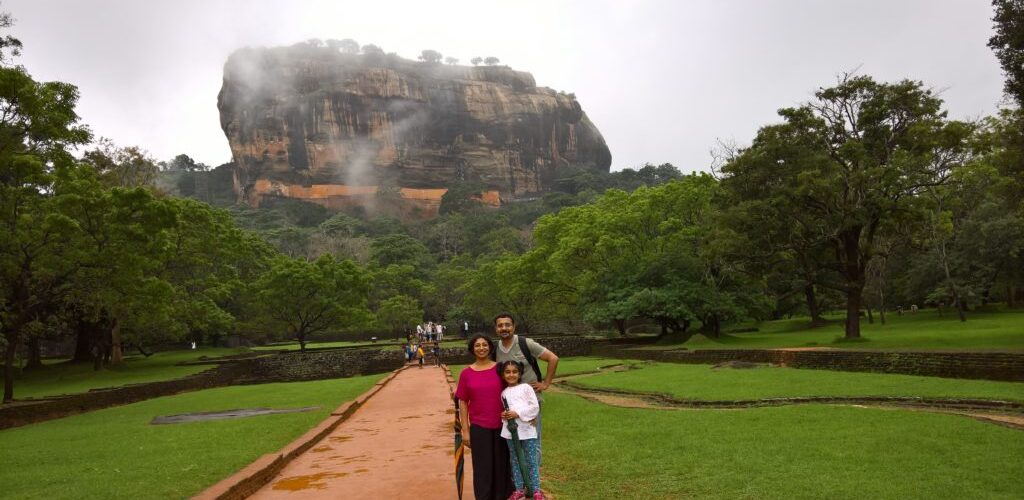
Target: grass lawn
(384,342)
(66,378)
(294,346)
(115,453)
(812,451)
(926,330)
(701,382)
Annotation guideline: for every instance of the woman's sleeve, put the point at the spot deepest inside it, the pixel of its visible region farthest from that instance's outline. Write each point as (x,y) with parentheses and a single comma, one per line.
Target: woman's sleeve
(531,407)
(462,389)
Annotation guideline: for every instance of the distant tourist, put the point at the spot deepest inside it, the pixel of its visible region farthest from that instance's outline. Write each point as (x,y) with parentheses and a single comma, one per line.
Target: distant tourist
(420,355)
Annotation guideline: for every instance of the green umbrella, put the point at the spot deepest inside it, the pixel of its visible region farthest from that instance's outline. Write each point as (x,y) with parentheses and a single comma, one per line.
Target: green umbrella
(513,429)
(460,450)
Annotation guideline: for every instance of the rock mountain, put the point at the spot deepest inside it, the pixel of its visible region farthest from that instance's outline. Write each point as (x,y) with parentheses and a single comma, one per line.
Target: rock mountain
(346,129)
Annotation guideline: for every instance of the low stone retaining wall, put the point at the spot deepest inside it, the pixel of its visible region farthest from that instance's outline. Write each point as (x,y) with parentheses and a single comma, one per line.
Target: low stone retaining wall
(563,346)
(318,365)
(286,367)
(30,411)
(970,365)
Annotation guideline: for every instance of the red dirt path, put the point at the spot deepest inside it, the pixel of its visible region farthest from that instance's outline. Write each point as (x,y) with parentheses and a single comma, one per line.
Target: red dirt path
(397,445)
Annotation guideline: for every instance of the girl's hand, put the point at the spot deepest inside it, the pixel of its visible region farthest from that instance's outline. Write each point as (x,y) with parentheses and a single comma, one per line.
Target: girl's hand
(509,415)
(465,439)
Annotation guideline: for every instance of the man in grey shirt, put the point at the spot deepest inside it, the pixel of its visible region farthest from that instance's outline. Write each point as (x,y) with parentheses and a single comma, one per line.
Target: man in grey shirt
(509,349)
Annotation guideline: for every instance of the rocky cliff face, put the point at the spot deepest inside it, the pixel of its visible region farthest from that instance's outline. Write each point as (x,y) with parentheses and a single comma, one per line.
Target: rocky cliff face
(342,129)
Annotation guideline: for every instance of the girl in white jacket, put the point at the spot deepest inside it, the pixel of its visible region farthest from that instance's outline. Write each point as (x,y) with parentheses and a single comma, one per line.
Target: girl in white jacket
(524,407)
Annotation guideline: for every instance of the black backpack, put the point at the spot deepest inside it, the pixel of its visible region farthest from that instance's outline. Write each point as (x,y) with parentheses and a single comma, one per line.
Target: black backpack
(529,358)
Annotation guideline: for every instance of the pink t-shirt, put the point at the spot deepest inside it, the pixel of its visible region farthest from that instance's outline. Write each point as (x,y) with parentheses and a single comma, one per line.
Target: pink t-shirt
(481,390)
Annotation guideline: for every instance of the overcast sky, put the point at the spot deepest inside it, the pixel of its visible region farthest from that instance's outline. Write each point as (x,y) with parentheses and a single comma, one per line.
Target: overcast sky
(662,80)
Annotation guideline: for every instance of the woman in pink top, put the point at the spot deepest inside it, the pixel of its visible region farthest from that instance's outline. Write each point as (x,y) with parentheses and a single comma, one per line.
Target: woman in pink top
(479,390)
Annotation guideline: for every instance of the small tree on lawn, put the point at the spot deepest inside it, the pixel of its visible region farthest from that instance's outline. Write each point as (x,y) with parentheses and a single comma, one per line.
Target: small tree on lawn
(399,311)
(304,298)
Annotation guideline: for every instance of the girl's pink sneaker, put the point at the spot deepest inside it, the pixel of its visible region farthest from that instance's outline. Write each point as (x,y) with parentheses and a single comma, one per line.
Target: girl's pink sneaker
(537,495)
(517,495)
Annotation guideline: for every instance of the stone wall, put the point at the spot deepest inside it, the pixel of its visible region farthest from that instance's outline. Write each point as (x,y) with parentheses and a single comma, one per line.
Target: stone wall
(31,411)
(563,346)
(284,367)
(969,365)
(318,365)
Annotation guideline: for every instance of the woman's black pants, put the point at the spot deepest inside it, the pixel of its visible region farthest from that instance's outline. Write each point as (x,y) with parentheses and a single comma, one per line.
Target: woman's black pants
(492,474)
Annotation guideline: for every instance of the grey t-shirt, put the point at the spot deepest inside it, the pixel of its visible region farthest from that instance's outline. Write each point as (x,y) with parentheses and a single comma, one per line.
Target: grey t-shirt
(516,354)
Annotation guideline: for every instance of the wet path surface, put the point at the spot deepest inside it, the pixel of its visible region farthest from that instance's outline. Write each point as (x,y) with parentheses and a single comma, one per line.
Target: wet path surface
(397,445)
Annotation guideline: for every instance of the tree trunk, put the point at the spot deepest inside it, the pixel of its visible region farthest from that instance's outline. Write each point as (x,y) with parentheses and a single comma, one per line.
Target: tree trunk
(853,300)
(1010,302)
(83,343)
(620,325)
(35,355)
(100,347)
(116,355)
(881,305)
(12,348)
(812,305)
(871,317)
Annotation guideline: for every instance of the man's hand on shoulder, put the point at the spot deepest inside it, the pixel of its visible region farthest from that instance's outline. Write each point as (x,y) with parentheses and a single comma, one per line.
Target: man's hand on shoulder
(540,386)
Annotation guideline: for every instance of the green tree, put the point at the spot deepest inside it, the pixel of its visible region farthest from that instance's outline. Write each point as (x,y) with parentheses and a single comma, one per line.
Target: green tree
(119,236)
(304,298)
(400,249)
(398,313)
(38,127)
(491,60)
(850,162)
(122,166)
(476,60)
(1008,45)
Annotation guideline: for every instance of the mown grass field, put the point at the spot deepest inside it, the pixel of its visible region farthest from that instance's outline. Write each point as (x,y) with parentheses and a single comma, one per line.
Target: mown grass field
(702,382)
(810,451)
(116,453)
(61,377)
(926,330)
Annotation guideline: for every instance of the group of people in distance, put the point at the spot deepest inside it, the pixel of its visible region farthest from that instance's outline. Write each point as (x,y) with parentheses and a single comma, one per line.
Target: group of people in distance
(429,332)
(427,337)
(507,370)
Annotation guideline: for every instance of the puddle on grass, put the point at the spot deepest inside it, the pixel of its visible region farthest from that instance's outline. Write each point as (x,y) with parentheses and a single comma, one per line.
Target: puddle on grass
(312,482)
(226,414)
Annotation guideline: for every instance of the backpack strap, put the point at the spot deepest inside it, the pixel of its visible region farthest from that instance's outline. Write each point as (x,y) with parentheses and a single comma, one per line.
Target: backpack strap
(529,358)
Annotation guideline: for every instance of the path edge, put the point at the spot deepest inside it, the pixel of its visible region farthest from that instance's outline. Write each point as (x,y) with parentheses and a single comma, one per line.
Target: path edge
(259,473)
